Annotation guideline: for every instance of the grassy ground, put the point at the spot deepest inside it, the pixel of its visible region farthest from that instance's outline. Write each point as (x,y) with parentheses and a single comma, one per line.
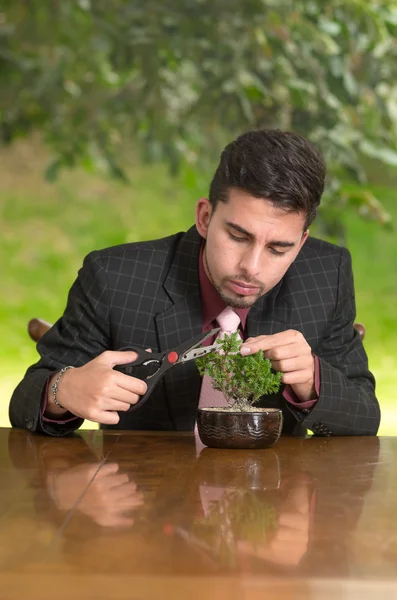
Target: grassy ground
(46,229)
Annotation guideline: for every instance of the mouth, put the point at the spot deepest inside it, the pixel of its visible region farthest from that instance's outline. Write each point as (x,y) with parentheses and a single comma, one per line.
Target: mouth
(244,289)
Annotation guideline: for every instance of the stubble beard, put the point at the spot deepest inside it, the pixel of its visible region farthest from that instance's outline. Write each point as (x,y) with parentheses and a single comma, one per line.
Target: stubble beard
(233,302)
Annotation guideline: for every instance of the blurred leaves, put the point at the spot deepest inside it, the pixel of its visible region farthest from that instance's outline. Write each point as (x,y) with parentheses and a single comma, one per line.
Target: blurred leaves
(181,78)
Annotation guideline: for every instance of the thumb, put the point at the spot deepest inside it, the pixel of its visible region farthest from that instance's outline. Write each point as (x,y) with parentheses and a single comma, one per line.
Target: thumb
(118,357)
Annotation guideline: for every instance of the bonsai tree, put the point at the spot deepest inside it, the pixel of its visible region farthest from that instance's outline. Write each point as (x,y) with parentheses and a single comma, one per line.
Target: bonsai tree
(242,379)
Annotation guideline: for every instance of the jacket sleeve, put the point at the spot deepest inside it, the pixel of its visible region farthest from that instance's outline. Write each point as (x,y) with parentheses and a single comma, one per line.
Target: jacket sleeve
(347,404)
(81,334)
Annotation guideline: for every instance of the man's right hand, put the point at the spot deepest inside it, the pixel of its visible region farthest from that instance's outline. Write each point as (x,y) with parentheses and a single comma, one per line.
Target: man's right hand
(96,391)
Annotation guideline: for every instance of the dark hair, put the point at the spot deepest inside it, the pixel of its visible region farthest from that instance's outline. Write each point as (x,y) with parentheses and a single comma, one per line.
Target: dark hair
(279,166)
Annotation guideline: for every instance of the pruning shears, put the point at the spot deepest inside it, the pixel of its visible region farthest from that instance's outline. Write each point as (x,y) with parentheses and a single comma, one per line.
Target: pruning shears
(189,350)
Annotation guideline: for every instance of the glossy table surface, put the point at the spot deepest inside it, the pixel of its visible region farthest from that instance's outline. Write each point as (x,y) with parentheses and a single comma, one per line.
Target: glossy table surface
(146,515)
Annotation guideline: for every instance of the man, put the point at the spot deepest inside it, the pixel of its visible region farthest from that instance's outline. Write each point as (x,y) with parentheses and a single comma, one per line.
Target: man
(250,250)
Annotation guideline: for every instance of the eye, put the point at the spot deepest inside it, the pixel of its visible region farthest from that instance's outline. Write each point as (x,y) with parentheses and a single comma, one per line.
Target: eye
(276,252)
(238,239)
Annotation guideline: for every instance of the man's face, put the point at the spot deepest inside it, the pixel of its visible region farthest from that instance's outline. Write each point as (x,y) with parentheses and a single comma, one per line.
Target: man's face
(249,245)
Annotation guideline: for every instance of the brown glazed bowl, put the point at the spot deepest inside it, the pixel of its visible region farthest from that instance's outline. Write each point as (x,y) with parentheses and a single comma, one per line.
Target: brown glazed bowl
(244,430)
(239,470)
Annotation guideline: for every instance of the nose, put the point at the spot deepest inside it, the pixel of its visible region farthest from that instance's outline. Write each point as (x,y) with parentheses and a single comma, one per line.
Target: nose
(250,262)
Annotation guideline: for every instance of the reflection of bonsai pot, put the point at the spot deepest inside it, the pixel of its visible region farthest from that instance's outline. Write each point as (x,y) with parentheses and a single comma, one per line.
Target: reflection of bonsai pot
(239,470)
(242,380)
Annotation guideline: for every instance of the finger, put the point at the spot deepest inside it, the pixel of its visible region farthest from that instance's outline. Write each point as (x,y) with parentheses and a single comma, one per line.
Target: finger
(122,496)
(267,342)
(131,384)
(131,396)
(283,366)
(105,404)
(289,364)
(295,377)
(300,498)
(271,350)
(112,358)
(293,522)
(288,551)
(291,351)
(114,481)
(266,345)
(120,406)
(116,499)
(106,417)
(131,502)
(107,470)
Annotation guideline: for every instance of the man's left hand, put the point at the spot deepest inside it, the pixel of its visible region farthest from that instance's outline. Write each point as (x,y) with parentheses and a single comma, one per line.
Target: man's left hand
(289,353)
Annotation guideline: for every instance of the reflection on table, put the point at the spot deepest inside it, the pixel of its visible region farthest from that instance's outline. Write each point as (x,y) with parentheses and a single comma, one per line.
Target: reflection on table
(144,505)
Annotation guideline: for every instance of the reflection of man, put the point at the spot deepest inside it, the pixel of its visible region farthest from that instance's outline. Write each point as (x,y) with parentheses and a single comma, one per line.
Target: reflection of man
(290,541)
(317,505)
(250,250)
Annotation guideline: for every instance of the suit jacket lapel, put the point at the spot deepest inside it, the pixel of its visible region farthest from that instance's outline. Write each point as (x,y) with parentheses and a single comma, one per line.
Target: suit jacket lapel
(178,323)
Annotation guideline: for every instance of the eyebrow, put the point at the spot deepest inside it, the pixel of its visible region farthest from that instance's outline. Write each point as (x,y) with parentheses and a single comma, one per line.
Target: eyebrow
(279,243)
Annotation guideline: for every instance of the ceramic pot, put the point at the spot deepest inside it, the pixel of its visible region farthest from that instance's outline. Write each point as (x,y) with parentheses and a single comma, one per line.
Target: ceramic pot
(239,470)
(227,429)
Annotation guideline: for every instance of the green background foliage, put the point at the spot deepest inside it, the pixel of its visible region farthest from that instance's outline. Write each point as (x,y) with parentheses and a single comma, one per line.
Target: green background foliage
(183,77)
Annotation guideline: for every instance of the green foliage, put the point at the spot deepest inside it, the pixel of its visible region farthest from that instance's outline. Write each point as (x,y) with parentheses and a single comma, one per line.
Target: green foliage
(242,379)
(238,515)
(182,78)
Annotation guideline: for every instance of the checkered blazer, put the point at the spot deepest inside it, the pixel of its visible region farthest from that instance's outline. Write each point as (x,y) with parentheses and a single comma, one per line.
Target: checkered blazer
(148,294)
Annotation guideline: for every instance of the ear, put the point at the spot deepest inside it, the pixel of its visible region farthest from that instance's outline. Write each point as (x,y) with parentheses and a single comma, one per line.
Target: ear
(304,238)
(203,216)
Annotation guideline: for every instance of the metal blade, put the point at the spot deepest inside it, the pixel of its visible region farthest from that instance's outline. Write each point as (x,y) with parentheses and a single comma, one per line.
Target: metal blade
(196,342)
(210,334)
(197,352)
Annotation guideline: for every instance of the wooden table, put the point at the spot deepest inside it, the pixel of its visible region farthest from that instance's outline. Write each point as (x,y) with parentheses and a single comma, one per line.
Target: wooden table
(139,515)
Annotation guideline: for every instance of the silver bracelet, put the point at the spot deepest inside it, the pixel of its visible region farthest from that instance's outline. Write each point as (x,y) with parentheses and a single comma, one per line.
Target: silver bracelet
(56,383)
